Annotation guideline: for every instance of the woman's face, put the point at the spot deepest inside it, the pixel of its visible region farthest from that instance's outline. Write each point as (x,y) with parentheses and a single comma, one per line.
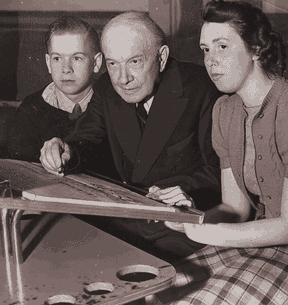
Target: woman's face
(227,60)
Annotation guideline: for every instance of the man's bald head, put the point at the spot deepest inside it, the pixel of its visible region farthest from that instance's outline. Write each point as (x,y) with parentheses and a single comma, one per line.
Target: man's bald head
(135,53)
(139,22)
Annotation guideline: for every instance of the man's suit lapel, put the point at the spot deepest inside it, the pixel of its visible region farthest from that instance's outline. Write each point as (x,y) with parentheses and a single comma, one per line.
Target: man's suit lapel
(167,108)
(125,123)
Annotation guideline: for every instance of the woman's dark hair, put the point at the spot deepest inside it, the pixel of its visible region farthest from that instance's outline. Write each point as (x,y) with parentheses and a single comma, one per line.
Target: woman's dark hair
(254,28)
(71,24)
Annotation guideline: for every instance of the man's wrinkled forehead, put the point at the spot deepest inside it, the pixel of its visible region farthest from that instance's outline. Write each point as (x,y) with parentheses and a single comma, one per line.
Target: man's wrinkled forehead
(125,40)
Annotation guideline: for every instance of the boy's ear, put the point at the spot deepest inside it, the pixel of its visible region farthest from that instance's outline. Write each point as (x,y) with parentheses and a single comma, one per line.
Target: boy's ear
(97,62)
(47,58)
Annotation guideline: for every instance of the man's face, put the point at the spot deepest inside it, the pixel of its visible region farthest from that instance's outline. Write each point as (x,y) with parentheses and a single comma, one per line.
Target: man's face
(71,63)
(132,64)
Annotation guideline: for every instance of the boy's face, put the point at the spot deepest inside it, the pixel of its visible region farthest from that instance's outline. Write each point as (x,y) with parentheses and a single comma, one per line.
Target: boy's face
(71,63)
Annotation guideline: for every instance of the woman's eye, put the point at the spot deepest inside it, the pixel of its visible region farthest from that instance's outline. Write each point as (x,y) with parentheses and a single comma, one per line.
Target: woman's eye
(56,58)
(205,50)
(77,58)
(223,46)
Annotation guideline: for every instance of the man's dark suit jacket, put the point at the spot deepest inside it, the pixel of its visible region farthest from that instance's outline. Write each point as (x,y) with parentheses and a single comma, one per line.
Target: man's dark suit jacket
(175,148)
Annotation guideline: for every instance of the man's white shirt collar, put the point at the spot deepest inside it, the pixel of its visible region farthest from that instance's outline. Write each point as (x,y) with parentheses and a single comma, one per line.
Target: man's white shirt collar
(148,104)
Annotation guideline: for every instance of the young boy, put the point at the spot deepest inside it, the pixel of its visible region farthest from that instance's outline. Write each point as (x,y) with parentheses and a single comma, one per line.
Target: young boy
(73,56)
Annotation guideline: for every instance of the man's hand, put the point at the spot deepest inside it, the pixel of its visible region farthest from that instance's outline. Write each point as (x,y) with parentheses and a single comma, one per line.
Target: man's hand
(171,196)
(54,154)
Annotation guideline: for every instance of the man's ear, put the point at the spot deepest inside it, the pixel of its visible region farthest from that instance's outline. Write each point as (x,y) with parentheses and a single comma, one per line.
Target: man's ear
(48,63)
(97,62)
(163,54)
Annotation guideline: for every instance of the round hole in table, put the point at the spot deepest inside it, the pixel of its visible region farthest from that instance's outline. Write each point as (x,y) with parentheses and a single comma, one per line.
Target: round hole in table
(137,273)
(61,299)
(99,288)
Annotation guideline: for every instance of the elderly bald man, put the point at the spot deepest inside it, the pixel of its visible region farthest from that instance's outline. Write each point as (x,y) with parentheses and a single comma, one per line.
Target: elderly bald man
(167,148)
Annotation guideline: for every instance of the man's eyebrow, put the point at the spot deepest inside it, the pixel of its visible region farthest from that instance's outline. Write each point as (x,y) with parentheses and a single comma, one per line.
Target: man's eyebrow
(81,53)
(130,58)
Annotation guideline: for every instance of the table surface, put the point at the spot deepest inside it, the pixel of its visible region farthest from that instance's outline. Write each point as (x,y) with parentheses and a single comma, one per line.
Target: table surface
(83,194)
(71,256)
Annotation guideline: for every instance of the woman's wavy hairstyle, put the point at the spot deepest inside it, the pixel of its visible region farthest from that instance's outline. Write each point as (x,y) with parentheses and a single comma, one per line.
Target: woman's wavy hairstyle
(254,28)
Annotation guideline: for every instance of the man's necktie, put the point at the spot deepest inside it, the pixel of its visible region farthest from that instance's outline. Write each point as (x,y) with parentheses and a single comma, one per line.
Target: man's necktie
(142,114)
(77,111)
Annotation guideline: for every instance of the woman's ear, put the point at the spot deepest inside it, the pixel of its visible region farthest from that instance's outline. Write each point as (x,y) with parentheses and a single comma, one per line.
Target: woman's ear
(256,55)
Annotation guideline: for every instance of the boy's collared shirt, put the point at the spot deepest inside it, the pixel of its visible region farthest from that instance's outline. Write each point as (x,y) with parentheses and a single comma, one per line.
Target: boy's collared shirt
(58,99)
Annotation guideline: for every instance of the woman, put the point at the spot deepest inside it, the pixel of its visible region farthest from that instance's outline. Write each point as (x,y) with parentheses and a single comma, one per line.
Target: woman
(246,260)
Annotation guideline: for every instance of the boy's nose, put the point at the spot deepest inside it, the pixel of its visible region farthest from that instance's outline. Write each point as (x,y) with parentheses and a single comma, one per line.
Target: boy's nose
(67,67)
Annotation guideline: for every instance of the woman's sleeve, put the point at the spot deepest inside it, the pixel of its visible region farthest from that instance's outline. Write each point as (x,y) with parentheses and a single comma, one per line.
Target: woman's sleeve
(220,127)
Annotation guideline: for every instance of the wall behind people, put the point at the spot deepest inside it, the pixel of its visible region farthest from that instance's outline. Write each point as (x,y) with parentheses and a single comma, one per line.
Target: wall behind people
(22,28)
(27,21)
(186,41)
(23,23)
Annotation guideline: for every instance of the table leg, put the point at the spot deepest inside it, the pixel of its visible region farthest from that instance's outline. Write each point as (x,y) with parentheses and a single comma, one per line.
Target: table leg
(16,237)
(6,246)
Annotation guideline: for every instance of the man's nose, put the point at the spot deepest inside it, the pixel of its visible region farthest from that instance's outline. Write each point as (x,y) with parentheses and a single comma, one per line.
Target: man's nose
(67,67)
(125,76)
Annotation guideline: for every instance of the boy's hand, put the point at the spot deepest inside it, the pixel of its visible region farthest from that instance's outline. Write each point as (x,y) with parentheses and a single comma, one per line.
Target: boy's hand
(54,154)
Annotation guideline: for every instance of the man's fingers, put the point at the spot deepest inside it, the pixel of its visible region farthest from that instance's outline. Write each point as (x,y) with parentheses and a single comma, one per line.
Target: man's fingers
(153,189)
(176,199)
(154,192)
(171,192)
(171,196)
(50,159)
(176,196)
(66,154)
(183,202)
(51,156)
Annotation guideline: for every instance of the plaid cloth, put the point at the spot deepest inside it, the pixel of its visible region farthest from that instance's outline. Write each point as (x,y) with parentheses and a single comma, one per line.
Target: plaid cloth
(220,275)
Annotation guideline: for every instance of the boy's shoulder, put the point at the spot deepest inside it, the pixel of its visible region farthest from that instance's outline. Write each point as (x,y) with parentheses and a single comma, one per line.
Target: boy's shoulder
(33,101)
(35,95)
